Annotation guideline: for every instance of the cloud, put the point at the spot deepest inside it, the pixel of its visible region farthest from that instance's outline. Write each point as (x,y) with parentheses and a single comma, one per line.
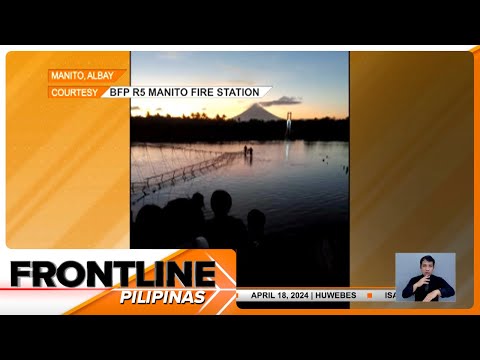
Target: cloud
(158,109)
(204,109)
(133,108)
(284,100)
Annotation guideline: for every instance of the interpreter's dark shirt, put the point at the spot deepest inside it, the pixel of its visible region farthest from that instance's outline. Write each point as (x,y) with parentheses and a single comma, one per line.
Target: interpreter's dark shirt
(436,282)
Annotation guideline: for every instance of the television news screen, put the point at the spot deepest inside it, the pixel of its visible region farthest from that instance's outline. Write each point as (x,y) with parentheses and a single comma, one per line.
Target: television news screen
(173,180)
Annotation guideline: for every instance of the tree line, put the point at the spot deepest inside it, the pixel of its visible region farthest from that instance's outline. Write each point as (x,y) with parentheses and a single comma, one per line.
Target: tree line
(198,127)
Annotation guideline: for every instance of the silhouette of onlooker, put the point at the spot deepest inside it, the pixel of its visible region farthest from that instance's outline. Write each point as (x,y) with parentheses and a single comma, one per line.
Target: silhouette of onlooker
(256,258)
(184,222)
(224,231)
(201,242)
(251,152)
(245,151)
(197,200)
(147,229)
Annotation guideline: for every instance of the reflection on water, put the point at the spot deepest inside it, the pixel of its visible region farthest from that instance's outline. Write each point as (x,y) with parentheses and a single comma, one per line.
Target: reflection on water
(301,187)
(287,149)
(290,182)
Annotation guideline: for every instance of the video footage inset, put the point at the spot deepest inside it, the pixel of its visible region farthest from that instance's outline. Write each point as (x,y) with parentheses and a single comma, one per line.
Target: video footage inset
(267,177)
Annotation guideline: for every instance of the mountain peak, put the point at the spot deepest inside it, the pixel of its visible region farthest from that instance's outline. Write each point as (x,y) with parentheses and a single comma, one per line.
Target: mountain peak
(257,112)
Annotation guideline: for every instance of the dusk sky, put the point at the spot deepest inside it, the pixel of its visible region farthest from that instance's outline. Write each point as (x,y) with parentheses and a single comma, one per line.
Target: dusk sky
(316,82)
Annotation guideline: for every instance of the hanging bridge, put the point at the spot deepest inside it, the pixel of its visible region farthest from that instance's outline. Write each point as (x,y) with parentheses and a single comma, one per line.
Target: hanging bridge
(178,164)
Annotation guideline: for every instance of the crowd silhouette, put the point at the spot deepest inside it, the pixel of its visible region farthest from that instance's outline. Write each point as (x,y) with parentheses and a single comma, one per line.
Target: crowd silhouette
(181,224)
(262,258)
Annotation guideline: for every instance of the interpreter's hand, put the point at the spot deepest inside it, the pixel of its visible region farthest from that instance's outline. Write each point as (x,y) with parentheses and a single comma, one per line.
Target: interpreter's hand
(423,281)
(432,295)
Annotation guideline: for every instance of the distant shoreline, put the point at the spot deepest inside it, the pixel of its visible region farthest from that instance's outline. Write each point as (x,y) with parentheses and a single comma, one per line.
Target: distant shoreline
(156,129)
